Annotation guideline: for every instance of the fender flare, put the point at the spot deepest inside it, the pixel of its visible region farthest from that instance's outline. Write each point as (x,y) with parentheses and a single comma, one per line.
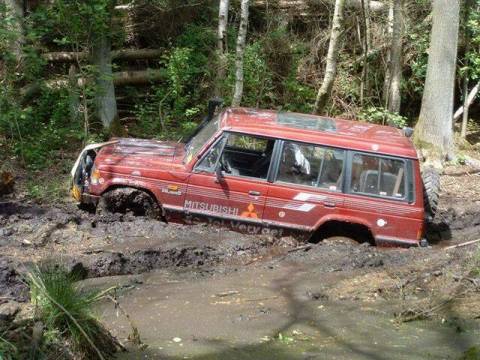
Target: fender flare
(346,219)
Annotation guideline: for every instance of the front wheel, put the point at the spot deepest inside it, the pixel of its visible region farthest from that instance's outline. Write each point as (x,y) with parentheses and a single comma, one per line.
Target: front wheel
(128,200)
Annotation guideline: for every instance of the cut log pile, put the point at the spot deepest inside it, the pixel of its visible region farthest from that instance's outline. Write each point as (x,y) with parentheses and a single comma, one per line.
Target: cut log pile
(125,54)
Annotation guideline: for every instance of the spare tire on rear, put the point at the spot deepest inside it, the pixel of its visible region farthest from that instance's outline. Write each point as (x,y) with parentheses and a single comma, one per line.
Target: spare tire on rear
(431,191)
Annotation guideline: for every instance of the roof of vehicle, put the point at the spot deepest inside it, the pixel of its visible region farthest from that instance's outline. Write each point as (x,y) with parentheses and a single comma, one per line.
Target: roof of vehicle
(327,131)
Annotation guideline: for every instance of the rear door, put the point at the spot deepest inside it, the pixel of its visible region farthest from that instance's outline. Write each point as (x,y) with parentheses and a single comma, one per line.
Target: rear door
(307,186)
(240,193)
(381,191)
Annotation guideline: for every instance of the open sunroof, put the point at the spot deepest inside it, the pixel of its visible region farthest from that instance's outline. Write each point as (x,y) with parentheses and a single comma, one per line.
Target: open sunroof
(306,122)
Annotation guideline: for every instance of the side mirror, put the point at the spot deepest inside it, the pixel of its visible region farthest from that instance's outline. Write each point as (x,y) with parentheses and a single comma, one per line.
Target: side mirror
(213,104)
(219,173)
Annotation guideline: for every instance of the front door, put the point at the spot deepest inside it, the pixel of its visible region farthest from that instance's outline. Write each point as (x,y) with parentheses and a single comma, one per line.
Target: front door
(229,184)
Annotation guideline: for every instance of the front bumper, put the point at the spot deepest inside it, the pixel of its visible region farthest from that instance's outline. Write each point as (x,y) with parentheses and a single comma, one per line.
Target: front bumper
(78,181)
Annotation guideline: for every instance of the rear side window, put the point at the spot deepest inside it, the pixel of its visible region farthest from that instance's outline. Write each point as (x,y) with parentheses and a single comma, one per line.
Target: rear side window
(378,176)
(311,165)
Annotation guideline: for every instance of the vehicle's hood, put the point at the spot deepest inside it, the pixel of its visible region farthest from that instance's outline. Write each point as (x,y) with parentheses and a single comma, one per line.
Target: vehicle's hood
(142,153)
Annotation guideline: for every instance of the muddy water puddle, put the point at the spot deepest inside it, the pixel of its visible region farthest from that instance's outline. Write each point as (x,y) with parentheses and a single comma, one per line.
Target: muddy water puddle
(266,312)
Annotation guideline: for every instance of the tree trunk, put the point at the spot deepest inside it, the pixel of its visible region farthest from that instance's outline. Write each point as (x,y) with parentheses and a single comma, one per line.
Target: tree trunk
(15,10)
(366,47)
(466,106)
(74,94)
(393,95)
(241,39)
(332,57)
(388,79)
(222,48)
(105,101)
(106,104)
(434,131)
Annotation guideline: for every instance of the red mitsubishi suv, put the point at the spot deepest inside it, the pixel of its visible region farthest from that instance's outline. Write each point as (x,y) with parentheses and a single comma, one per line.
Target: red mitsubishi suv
(263,171)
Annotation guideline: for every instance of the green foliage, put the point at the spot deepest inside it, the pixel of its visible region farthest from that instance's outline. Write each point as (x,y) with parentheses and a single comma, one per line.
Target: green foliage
(73,24)
(50,188)
(257,82)
(172,107)
(382,116)
(41,128)
(473,353)
(66,310)
(472,29)
(418,38)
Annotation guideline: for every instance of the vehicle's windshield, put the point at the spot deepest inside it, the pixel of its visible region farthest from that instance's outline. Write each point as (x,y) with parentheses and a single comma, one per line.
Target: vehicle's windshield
(205,134)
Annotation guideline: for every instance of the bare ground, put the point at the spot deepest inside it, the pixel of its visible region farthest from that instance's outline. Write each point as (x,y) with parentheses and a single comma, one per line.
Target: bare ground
(227,295)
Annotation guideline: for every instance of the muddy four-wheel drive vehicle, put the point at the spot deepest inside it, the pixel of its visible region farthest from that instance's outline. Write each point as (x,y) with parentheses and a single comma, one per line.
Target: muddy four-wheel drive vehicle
(261,171)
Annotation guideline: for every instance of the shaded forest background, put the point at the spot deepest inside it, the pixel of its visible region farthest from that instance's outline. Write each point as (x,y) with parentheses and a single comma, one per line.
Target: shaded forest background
(165,67)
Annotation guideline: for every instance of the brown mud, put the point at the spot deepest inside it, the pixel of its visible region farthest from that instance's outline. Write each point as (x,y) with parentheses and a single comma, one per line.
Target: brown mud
(145,257)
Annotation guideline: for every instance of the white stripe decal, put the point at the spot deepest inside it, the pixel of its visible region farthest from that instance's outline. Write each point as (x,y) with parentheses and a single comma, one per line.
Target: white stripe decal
(306,196)
(303,207)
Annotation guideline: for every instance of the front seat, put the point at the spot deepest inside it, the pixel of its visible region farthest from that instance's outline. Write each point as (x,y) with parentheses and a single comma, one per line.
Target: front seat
(260,167)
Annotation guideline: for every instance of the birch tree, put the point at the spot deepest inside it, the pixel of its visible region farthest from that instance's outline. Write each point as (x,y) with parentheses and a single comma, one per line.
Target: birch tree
(367,44)
(393,77)
(433,131)
(467,40)
(222,48)
(15,11)
(241,39)
(332,57)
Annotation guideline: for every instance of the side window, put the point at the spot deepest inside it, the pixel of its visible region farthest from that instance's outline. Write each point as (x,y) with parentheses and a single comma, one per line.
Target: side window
(210,160)
(311,165)
(247,155)
(378,176)
(241,155)
(247,143)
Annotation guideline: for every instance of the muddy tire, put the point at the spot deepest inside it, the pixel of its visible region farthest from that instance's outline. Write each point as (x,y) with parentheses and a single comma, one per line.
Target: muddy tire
(431,192)
(128,200)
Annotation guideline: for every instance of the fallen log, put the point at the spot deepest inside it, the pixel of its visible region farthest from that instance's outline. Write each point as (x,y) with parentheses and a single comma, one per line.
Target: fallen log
(140,77)
(462,244)
(471,96)
(474,163)
(121,78)
(124,54)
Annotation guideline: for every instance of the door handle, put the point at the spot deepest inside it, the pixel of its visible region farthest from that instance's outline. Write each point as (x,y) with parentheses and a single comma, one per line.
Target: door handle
(254,193)
(329,204)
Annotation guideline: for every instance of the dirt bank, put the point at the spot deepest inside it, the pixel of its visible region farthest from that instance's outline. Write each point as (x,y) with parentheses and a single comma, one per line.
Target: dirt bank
(125,244)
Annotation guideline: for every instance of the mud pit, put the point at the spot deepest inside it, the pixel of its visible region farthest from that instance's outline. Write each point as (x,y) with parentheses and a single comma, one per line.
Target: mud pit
(227,295)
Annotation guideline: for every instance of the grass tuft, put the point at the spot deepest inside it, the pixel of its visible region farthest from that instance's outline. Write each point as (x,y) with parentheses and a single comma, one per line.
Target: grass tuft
(7,349)
(66,309)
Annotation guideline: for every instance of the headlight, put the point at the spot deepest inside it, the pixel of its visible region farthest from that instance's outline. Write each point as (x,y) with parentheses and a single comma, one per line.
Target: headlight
(95,176)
